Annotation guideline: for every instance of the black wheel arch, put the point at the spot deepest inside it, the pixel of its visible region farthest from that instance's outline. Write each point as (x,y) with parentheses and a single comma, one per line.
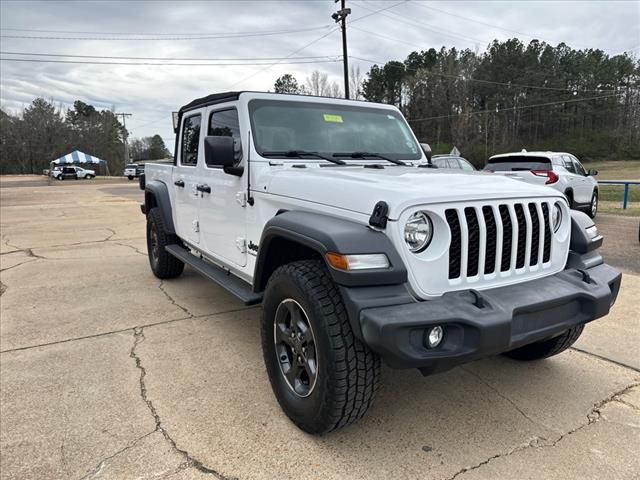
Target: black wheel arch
(156,194)
(297,235)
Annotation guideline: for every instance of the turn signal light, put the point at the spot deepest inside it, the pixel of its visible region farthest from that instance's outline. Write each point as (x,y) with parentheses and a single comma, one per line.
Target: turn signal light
(357,262)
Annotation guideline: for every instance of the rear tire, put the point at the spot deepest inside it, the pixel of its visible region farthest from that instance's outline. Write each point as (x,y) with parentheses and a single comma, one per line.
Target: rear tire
(337,375)
(163,264)
(130,177)
(546,348)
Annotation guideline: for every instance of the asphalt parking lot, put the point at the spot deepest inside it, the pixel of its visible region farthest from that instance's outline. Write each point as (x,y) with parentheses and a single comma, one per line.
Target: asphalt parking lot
(107,372)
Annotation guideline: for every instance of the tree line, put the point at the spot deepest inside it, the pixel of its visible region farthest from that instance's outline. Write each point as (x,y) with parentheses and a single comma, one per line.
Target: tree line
(42,132)
(513,96)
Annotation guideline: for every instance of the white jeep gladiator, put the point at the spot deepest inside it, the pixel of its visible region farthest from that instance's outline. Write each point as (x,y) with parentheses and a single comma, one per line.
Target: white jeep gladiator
(330,214)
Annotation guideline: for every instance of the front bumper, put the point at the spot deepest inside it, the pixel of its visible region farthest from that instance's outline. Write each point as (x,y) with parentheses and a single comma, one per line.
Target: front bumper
(479,324)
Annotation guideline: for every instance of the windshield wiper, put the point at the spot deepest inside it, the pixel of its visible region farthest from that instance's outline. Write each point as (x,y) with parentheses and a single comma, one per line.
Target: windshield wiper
(301,154)
(369,154)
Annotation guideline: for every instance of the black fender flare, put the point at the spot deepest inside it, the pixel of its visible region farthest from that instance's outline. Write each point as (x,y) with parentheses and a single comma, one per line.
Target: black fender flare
(322,233)
(156,194)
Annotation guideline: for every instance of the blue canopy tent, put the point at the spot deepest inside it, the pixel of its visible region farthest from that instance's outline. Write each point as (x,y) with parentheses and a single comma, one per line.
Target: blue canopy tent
(78,157)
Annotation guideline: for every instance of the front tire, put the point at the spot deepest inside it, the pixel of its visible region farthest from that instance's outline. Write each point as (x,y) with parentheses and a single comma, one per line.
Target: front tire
(593,208)
(547,348)
(323,377)
(130,177)
(163,264)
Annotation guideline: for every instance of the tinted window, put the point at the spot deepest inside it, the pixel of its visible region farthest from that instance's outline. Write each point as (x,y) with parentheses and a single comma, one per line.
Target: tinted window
(190,140)
(518,162)
(331,128)
(224,123)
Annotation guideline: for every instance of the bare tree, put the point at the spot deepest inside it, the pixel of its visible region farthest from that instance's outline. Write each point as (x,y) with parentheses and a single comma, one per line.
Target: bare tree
(355,82)
(318,84)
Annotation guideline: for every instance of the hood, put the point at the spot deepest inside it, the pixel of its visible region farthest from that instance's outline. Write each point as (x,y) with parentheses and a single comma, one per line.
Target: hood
(359,189)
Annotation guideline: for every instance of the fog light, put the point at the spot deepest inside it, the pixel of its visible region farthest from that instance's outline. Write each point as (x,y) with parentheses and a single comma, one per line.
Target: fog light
(434,337)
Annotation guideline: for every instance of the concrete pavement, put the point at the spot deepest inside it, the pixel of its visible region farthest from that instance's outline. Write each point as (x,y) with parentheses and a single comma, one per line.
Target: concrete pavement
(107,372)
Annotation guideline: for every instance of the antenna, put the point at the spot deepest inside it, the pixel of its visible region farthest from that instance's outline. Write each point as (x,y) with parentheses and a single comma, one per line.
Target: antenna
(250,199)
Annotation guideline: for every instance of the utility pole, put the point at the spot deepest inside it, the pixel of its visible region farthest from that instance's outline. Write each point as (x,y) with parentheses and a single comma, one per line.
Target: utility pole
(126,135)
(341,16)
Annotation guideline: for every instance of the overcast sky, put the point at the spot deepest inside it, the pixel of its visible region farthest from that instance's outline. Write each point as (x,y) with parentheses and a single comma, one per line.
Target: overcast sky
(262,29)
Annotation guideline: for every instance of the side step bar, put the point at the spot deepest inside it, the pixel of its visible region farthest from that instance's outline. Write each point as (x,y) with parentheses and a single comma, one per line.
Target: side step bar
(226,280)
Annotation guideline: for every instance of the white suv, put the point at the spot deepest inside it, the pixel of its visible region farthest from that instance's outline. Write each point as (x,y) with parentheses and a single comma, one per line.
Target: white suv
(558,170)
(327,212)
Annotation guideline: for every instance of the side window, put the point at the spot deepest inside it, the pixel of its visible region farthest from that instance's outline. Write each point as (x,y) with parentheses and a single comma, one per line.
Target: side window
(568,164)
(224,123)
(465,165)
(190,140)
(579,168)
(557,161)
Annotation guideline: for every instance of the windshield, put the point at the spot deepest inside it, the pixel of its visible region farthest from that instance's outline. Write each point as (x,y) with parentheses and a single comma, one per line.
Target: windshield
(280,126)
(518,162)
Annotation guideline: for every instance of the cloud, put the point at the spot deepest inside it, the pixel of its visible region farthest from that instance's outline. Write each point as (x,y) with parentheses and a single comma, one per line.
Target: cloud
(152,92)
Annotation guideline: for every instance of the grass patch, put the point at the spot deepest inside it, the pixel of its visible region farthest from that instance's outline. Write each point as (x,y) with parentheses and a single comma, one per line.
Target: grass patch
(611,195)
(616,169)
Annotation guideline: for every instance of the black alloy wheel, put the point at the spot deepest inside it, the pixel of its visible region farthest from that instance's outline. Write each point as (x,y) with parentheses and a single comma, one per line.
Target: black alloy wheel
(295,347)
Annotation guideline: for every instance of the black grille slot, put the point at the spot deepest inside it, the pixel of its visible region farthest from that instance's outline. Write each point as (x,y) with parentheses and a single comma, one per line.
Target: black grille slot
(507,234)
(492,236)
(546,254)
(455,249)
(474,241)
(535,234)
(522,235)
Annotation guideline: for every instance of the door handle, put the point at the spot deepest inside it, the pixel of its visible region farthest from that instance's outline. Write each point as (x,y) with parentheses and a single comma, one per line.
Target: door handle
(204,188)
(179,183)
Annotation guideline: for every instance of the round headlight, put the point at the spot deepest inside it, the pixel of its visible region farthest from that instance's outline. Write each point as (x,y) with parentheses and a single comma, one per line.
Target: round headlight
(556,217)
(418,232)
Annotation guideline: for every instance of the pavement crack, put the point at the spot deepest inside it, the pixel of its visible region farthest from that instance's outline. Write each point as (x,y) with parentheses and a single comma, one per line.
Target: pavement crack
(3,288)
(98,468)
(593,416)
(136,249)
(172,300)
(605,359)
(121,330)
(138,338)
(504,397)
(17,265)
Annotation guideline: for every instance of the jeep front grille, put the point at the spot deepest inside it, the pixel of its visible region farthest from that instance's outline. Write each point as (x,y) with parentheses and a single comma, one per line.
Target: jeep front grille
(488,240)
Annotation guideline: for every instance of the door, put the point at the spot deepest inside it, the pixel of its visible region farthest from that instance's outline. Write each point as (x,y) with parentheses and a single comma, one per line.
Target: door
(584,184)
(223,211)
(186,197)
(573,179)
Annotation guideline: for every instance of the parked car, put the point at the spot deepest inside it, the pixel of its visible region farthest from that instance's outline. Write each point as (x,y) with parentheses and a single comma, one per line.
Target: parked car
(318,209)
(449,161)
(559,170)
(133,170)
(61,173)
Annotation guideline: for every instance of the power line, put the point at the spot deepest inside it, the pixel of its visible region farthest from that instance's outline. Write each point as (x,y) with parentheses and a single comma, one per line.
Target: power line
(477,21)
(173,38)
(523,107)
(490,82)
(36,60)
(239,59)
(165,34)
(377,11)
(413,23)
(287,57)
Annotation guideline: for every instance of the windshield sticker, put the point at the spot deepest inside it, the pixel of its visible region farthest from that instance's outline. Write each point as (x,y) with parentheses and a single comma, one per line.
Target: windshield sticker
(332,118)
(391,117)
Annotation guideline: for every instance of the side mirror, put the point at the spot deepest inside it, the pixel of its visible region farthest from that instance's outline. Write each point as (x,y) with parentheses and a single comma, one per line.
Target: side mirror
(592,172)
(220,151)
(427,151)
